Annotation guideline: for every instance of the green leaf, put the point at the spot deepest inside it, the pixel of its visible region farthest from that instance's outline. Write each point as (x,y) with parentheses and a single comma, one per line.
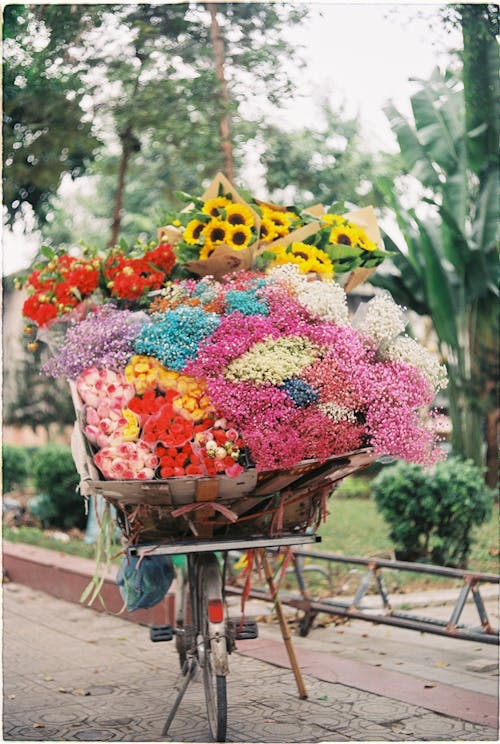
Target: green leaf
(48,252)
(338,251)
(486,223)
(438,289)
(414,154)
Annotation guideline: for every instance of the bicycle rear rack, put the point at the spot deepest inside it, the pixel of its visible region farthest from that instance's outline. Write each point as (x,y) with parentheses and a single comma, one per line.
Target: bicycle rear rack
(215,545)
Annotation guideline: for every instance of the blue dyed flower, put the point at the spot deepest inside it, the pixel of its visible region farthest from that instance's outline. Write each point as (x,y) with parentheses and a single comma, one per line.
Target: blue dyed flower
(205,292)
(300,392)
(246,301)
(175,336)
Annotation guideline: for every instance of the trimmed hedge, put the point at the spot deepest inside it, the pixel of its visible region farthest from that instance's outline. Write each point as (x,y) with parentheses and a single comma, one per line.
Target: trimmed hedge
(56,480)
(431,513)
(15,467)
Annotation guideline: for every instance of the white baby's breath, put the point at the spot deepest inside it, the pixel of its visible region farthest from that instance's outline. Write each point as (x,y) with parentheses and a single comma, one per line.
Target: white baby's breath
(383,320)
(336,412)
(289,275)
(325,300)
(407,350)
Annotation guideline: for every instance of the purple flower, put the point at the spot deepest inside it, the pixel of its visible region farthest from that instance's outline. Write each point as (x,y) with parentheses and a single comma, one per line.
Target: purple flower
(104,339)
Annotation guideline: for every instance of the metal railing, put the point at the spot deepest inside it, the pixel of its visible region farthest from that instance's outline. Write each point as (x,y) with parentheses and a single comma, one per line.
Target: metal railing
(354,608)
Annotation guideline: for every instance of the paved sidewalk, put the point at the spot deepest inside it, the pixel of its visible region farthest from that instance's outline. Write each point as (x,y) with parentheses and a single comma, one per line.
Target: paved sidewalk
(73,674)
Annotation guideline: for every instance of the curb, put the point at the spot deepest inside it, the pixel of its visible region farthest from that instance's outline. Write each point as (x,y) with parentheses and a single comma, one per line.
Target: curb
(65,577)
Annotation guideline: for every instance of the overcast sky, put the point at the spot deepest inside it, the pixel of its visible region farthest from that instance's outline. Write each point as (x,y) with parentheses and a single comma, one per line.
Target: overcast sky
(359,55)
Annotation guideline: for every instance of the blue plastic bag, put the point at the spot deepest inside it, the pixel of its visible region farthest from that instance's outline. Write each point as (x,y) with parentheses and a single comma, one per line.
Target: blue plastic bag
(144,583)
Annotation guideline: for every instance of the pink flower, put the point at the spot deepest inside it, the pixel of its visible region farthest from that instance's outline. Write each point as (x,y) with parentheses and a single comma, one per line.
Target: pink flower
(97,385)
(127,461)
(233,471)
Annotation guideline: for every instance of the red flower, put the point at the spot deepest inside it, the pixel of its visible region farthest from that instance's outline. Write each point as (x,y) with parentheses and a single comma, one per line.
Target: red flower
(168,427)
(84,278)
(40,312)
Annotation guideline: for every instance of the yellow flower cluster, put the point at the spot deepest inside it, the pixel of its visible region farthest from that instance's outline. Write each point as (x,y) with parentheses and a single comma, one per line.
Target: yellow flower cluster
(130,431)
(228,223)
(345,233)
(146,372)
(307,258)
(276,224)
(192,400)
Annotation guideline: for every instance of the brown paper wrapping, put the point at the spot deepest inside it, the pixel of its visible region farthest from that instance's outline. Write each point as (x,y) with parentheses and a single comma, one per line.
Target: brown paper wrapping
(224,260)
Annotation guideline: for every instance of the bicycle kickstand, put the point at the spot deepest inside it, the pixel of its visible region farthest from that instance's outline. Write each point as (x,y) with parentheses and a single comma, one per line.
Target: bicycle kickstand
(190,669)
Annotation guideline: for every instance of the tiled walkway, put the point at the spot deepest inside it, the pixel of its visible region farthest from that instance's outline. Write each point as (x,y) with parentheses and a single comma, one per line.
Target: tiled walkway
(72,674)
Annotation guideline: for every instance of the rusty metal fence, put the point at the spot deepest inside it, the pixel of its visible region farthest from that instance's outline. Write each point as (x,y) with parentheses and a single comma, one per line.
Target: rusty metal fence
(373,577)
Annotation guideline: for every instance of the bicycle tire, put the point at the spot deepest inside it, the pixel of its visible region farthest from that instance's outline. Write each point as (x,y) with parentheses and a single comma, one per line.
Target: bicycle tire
(183,618)
(210,587)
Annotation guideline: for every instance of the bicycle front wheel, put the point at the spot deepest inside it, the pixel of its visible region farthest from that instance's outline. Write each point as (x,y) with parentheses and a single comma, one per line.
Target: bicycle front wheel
(213,651)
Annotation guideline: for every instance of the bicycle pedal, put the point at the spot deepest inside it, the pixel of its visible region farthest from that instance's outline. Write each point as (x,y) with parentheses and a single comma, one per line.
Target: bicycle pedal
(249,629)
(159,633)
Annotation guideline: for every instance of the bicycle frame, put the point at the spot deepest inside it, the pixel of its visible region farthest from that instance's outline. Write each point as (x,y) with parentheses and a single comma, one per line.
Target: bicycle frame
(203,635)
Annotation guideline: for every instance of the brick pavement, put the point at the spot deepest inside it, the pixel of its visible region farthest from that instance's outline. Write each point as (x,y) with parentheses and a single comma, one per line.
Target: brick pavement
(72,674)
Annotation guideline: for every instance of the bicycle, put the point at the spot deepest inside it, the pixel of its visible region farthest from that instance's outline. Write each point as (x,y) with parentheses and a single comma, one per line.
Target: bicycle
(204,635)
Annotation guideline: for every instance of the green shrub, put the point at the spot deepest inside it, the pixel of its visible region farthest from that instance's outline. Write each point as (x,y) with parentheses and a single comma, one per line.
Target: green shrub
(15,467)
(56,480)
(354,487)
(431,513)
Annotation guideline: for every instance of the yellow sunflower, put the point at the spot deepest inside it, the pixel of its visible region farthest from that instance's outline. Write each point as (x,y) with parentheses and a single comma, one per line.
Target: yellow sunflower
(216,232)
(292,217)
(207,251)
(280,220)
(331,219)
(312,258)
(193,230)
(365,243)
(267,230)
(238,237)
(214,207)
(239,214)
(307,257)
(345,233)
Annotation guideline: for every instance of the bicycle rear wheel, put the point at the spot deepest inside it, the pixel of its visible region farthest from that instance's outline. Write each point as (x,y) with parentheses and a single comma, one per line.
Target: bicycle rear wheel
(213,644)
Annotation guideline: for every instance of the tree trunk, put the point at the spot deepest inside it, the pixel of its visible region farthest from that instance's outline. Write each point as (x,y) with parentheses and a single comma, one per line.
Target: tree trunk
(491,436)
(224,122)
(120,188)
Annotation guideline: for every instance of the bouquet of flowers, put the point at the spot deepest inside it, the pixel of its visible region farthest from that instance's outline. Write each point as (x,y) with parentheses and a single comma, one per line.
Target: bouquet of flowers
(228,346)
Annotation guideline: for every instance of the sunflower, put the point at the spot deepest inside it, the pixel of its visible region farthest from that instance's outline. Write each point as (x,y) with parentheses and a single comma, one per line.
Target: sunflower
(214,207)
(280,220)
(238,237)
(239,214)
(314,259)
(193,230)
(216,232)
(307,257)
(207,251)
(268,230)
(345,233)
(365,243)
(331,219)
